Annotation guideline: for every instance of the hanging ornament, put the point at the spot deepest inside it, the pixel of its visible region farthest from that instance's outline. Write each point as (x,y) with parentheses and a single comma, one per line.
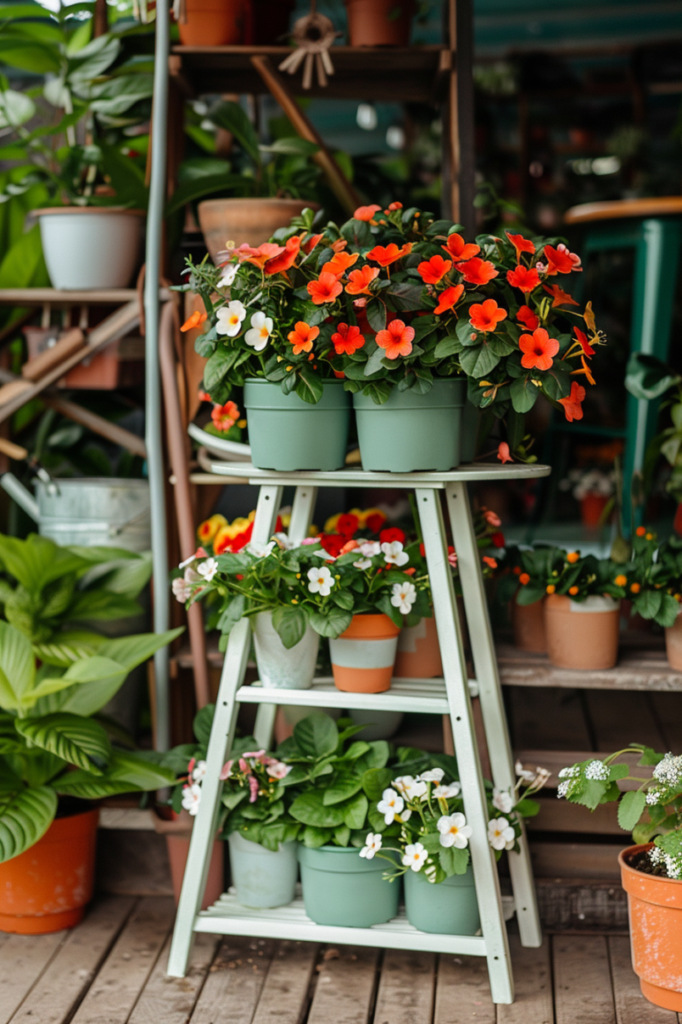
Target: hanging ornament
(313,36)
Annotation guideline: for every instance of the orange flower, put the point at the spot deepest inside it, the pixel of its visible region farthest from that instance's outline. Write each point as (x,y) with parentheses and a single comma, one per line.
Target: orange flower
(520,244)
(490,562)
(325,289)
(260,256)
(487,315)
(339,263)
(478,271)
(550,588)
(572,557)
(302,337)
(195,320)
(635,587)
(571,403)
(311,243)
(560,260)
(434,270)
(640,531)
(339,245)
(365,212)
(528,317)
(384,255)
(588,317)
(523,278)
(583,341)
(538,349)
(584,369)
(286,259)
(360,280)
(448,298)
(573,590)
(396,339)
(559,296)
(224,416)
(524,578)
(459,250)
(393,206)
(503,453)
(621,580)
(347,339)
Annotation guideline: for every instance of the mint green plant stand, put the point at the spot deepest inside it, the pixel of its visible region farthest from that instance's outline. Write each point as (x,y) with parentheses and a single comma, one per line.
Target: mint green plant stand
(450,695)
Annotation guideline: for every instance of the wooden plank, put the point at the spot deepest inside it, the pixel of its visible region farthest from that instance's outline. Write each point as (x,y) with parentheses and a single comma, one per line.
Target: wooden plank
(577,860)
(631,1006)
(561,816)
(117,987)
(70,972)
(582,980)
(23,958)
(555,760)
(345,986)
(463,992)
(582,905)
(406,988)
(234,982)
(167,1000)
(667,708)
(284,999)
(533,986)
(620,720)
(636,670)
(553,719)
(39,296)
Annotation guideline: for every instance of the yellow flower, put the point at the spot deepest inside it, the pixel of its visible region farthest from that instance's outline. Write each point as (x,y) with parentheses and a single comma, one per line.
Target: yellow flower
(330,525)
(550,588)
(241,424)
(209,528)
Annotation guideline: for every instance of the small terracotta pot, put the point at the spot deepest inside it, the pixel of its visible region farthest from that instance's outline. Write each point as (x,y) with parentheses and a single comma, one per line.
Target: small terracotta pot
(373,22)
(582,634)
(178,832)
(214,22)
(591,509)
(528,623)
(418,652)
(47,887)
(363,656)
(245,221)
(655,912)
(673,643)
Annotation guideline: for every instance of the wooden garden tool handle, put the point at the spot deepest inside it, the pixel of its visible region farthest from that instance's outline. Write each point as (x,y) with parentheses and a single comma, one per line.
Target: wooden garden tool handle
(68,344)
(12,450)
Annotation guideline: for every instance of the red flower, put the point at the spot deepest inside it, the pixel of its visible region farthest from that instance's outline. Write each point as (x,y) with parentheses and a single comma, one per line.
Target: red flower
(498,539)
(572,407)
(360,280)
(434,270)
(560,260)
(347,524)
(325,289)
(224,416)
(365,212)
(523,278)
(396,339)
(302,337)
(195,320)
(374,521)
(486,316)
(583,342)
(503,452)
(559,297)
(339,263)
(384,255)
(448,298)
(538,349)
(390,534)
(311,243)
(347,339)
(332,543)
(458,250)
(393,206)
(527,317)
(286,259)
(478,271)
(520,244)
(242,539)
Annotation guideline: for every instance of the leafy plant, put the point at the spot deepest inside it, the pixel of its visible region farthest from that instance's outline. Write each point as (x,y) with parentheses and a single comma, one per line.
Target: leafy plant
(548,570)
(654,576)
(649,379)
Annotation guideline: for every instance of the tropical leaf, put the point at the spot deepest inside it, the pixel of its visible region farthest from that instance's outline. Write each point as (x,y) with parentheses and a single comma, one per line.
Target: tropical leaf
(25,816)
(127,773)
(37,561)
(75,739)
(131,651)
(67,647)
(101,605)
(17,667)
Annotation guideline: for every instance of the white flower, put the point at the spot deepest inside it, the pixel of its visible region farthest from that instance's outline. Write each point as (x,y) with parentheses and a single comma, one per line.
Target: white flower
(409,787)
(390,805)
(394,554)
(523,773)
(199,553)
(370,548)
(260,550)
(228,275)
(364,563)
(563,788)
(597,771)
(403,596)
(454,830)
(654,796)
(199,771)
(502,800)
(446,792)
(501,835)
(372,845)
(282,541)
(191,797)
(261,329)
(208,569)
(569,773)
(414,856)
(432,775)
(230,317)
(278,770)
(321,581)
(182,591)
(669,770)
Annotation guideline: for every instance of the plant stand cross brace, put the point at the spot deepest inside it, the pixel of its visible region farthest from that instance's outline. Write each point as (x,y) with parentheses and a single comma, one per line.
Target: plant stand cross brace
(449,695)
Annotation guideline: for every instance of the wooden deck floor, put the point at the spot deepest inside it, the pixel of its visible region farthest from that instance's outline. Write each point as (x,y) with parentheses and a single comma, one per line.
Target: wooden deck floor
(111,970)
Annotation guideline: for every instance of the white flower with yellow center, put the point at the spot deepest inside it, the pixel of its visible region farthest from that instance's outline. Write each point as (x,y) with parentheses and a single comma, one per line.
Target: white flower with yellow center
(261,329)
(228,275)
(372,845)
(403,596)
(415,856)
(390,805)
(230,318)
(501,835)
(454,831)
(446,792)
(321,581)
(394,554)
(208,569)
(502,801)
(191,798)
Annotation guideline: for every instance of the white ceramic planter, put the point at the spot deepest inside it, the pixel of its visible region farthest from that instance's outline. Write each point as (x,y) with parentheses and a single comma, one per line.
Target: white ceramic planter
(90,247)
(280,668)
(262,877)
(378,725)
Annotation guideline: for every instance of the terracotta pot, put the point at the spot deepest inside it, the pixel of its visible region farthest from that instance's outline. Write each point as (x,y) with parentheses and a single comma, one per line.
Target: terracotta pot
(673,643)
(245,221)
(47,887)
(214,22)
(655,912)
(374,22)
(528,623)
(677,521)
(271,21)
(582,634)
(418,652)
(591,509)
(178,832)
(363,656)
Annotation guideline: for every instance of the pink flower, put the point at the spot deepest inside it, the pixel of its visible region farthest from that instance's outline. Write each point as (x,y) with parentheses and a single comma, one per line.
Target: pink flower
(503,453)
(225,770)
(309,540)
(257,754)
(278,770)
(253,786)
(190,766)
(492,518)
(452,558)
(243,766)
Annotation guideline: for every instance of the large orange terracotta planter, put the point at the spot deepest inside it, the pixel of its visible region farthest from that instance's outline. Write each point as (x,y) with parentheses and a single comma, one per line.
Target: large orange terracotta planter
(528,623)
(655,911)
(363,656)
(214,22)
(47,887)
(418,652)
(673,643)
(380,22)
(582,634)
(245,221)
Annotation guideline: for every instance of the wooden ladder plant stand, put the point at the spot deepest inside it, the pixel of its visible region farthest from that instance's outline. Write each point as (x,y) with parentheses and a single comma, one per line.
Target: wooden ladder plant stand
(450,695)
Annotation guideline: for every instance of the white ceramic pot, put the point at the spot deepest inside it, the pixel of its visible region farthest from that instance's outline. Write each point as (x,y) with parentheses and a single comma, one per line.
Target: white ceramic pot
(280,668)
(263,878)
(90,247)
(378,725)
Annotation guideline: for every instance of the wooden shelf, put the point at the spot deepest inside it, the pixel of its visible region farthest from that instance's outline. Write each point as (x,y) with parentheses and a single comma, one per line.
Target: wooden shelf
(636,670)
(423,696)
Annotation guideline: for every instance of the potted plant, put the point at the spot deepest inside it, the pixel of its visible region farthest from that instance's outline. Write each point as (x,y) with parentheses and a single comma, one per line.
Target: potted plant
(212,22)
(593,489)
(654,582)
(57,756)
(380,22)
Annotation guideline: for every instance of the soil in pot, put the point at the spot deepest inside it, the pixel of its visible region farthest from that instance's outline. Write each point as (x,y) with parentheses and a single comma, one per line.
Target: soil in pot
(342,888)
(214,22)
(418,652)
(279,667)
(364,655)
(582,634)
(245,221)
(673,643)
(90,247)
(263,878)
(379,22)
(528,623)
(449,907)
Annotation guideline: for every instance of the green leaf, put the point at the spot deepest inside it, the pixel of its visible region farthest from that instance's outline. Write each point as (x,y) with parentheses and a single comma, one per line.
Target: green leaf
(80,741)
(454,861)
(648,603)
(290,623)
(37,561)
(102,605)
(630,809)
(230,116)
(355,812)
(25,816)
(15,108)
(291,145)
(126,773)
(205,185)
(344,786)
(523,394)
(131,651)
(313,837)
(478,360)
(449,346)
(316,735)
(331,623)
(309,386)
(309,808)
(375,781)
(376,314)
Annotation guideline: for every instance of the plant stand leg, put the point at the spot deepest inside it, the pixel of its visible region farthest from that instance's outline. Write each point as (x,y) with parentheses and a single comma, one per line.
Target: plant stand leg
(490,693)
(222,735)
(473,791)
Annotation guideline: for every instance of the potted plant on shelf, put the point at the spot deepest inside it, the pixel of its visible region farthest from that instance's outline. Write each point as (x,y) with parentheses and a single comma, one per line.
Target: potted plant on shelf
(56,755)
(380,22)
(527,620)
(593,489)
(212,22)
(654,582)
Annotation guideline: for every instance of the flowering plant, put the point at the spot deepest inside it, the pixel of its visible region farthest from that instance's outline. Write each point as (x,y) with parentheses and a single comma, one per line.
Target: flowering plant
(654,577)
(549,570)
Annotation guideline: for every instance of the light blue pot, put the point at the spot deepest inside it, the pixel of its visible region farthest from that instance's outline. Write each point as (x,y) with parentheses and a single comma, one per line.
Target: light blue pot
(446,908)
(342,888)
(262,877)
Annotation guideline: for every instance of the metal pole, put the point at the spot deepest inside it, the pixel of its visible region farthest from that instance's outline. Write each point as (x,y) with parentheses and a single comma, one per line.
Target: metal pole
(157,197)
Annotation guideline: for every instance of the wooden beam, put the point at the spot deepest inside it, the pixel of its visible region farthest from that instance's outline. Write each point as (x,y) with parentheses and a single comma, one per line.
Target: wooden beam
(111,431)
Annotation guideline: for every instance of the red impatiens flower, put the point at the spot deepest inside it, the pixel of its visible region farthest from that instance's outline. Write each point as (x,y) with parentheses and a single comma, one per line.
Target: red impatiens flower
(538,350)
(195,320)
(560,297)
(520,244)
(478,271)
(448,298)
(486,316)
(396,339)
(583,341)
(498,539)
(390,534)
(360,280)
(527,317)
(374,521)
(434,270)
(284,260)
(332,543)
(224,416)
(458,250)
(384,255)
(347,524)
(523,278)
(302,337)
(311,243)
(325,289)
(560,260)
(365,212)
(503,453)
(347,339)
(571,404)
(339,263)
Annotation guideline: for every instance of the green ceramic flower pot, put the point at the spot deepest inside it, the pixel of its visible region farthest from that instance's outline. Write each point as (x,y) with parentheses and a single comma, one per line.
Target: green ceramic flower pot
(262,878)
(288,434)
(447,908)
(342,888)
(412,432)
(471,418)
